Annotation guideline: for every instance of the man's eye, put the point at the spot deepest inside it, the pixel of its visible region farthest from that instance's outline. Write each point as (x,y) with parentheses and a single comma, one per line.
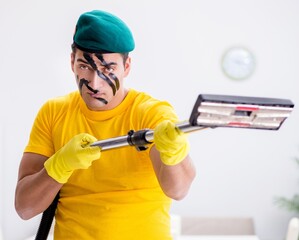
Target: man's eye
(108,70)
(83,67)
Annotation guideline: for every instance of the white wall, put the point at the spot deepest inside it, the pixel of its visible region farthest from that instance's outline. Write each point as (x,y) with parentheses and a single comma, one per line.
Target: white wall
(1,180)
(179,45)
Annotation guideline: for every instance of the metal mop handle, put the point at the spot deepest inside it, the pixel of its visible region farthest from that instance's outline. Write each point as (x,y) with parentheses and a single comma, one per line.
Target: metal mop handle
(140,138)
(211,111)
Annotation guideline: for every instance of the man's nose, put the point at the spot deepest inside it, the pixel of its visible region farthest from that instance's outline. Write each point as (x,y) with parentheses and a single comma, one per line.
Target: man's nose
(96,81)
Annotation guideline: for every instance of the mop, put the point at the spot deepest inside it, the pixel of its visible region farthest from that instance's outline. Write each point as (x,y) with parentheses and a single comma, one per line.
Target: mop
(209,111)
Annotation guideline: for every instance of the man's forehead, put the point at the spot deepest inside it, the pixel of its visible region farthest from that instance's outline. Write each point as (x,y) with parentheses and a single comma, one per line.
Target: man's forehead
(107,57)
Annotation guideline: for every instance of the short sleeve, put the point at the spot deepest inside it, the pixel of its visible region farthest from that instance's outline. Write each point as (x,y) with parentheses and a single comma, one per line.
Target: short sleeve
(40,140)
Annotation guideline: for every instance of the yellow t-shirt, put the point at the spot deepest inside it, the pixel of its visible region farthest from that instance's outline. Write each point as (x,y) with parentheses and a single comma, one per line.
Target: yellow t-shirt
(118,197)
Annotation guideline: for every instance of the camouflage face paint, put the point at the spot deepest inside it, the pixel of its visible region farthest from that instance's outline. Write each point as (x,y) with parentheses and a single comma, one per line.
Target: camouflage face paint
(100,57)
(100,74)
(85,82)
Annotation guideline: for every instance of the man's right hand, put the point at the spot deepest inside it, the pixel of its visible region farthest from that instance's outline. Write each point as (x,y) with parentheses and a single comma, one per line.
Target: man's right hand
(76,154)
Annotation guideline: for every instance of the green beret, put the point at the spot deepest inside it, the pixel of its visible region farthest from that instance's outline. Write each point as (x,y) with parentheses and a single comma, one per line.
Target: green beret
(101,32)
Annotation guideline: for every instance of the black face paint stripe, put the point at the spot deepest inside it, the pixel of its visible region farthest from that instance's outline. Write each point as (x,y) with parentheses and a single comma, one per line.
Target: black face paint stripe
(101,58)
(85,82)
(115,80)
(90,61)
(110,83)
(102,100)
(95,68)
(80,85)
(81,82)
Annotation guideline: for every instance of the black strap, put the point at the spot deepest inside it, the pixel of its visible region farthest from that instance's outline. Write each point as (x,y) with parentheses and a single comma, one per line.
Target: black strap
(46,220)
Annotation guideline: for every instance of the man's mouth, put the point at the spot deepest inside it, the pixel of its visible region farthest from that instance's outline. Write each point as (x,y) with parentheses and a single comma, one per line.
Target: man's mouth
(98,96)
(95,95)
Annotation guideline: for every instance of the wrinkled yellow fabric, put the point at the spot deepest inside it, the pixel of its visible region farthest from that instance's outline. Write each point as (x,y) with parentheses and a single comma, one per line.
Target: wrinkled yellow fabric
(118,196)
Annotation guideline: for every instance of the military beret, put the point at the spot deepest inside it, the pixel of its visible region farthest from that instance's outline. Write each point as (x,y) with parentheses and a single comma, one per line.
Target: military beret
(101,32)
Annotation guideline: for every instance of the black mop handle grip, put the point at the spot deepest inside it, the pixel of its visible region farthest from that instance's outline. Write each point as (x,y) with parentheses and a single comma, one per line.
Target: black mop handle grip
(139,138)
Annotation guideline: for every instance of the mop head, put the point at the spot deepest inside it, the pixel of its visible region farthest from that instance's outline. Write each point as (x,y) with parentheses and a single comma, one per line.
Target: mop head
(241,112)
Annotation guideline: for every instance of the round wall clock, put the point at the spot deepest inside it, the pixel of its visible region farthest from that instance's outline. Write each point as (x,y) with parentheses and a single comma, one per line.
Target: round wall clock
(238,63)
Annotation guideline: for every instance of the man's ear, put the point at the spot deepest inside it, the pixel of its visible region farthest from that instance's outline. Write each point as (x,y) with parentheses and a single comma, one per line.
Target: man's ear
(127,66)
(72,61)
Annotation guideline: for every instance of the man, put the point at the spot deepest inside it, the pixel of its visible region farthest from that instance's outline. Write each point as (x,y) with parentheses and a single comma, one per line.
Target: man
(116,194)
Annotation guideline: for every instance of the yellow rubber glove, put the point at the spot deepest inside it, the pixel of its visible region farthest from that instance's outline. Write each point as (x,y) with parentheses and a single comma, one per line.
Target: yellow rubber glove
(76,154)
(171,142)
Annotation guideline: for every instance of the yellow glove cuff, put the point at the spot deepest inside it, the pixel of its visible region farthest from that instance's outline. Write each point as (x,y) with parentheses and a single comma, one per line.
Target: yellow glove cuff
(171,142)
(56,170)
